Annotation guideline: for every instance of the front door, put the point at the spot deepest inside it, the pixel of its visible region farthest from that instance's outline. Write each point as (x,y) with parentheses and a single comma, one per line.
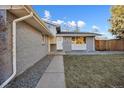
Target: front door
(59,43)
(67,43)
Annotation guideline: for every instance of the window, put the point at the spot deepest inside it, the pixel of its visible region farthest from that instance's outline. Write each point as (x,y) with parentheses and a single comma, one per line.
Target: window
(73,40)
(78,40)
(43,39)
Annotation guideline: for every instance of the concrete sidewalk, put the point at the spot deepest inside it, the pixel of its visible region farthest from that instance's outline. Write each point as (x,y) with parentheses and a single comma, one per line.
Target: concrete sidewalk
(54,75)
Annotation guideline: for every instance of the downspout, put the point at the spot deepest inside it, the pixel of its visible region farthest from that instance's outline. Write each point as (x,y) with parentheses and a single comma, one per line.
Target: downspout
(14,48)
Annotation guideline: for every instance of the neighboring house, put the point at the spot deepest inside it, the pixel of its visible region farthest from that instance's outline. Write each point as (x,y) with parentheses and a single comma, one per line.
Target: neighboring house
(35,39)
(69,41)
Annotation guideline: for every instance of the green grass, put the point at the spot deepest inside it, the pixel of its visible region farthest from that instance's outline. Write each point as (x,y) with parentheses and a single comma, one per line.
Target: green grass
(94,71)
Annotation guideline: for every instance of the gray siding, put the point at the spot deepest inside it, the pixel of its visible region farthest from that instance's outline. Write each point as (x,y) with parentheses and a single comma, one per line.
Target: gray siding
(30,48)
(90,43)
(67,43)
(5,56)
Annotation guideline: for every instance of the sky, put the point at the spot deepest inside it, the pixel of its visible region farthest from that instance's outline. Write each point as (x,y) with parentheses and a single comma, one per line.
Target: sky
(88,18)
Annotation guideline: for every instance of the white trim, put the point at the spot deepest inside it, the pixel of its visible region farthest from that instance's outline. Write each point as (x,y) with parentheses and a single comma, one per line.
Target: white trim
(78,47)
(94,44)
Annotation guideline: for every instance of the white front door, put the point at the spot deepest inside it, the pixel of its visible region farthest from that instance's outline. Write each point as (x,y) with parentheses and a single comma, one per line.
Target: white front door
(59,42)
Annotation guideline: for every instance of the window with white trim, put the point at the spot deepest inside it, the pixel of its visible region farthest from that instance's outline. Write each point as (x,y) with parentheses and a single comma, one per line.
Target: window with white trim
(78,40)
(43,39)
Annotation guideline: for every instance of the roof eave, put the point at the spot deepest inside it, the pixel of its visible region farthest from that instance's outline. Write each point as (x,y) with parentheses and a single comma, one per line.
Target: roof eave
(25,10)
(29,8)
(71,35)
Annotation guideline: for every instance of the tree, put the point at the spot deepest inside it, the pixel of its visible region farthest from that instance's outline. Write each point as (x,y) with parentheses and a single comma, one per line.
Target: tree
(117,21)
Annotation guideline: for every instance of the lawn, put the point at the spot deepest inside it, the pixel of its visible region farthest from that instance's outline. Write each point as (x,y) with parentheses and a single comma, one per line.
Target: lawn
(94,71)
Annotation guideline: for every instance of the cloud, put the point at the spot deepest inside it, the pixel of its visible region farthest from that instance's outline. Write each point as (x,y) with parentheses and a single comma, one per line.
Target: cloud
(47,14)
(104,35)
(72,24)
(58,22)
(80,24)
(95,29)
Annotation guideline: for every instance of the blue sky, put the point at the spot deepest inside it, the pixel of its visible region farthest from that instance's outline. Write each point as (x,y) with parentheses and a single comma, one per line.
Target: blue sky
(90,16)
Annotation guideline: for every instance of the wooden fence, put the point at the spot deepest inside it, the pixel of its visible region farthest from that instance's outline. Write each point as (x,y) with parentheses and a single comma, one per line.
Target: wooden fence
(109,45)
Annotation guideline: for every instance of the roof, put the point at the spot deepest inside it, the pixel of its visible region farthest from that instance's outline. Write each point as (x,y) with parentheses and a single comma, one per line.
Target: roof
(35,21)
(77,34)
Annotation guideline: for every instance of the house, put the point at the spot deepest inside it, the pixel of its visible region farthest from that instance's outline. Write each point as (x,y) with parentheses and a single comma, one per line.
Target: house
(54,28)
(70,41)
(29,36)
(29,39)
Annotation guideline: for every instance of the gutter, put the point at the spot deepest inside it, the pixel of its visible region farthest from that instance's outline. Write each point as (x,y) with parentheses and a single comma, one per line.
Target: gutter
(14,48)
(36,17)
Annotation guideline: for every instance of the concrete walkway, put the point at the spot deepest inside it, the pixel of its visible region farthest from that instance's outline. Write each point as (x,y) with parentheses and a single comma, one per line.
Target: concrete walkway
(54,75)
(31,77)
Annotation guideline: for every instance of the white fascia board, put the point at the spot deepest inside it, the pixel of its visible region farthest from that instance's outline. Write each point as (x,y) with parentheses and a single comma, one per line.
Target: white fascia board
(86,35)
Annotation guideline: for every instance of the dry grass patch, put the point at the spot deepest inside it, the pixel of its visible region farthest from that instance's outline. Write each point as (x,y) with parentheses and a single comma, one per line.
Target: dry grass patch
(94,70)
